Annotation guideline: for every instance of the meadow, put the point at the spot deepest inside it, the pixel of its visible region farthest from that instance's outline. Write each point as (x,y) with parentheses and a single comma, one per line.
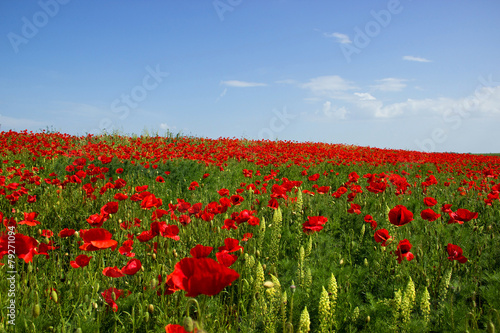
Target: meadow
(112,233)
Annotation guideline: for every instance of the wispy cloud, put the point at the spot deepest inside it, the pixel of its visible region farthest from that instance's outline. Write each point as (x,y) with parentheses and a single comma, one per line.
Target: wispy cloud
(328,85)
(417,59)
(365,96)
(242,84)
(390,84)
(340,38)
(333,111)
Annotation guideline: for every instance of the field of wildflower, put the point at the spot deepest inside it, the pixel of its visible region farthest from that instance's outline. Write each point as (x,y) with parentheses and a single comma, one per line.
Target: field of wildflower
(112,233)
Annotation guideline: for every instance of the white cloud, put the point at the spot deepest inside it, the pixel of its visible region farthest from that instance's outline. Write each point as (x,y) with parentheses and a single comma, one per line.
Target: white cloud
(242,84)
(333,86)
(333,111)
(341,38)
(417,59)
(390,84)
(365,96)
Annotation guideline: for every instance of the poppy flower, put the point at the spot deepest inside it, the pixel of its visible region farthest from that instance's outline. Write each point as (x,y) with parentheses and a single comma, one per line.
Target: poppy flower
(175,328)
(223,192)
(168,289)
(160,179)
(355,208)
(382,236)
(231,245)
(273,203)
(229,224)
(184,220)
(126,248)
(246,237)
(429,201)
(24,246)
(120,196)
(80,261)
(66,233)
(200,251)
(97,239)
(29,219)
(110,299)
(202,276)
(236,199)
(323,189)
(369,219)
(193,186)
(97,220)
(225,258)
(170,231)
(403,251)
(429,215)
(113,272)
(109,208)
(314,177)
(313,224)
(132,267)
(455,253)
(400,216)
(462,215)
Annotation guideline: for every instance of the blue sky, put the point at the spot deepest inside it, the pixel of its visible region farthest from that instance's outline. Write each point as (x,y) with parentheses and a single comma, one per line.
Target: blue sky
(416,75)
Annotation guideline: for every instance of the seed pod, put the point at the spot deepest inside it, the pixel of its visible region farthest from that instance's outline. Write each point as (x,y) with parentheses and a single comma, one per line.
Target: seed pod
(151,308)
(188,324)
(53,295)
(36,310)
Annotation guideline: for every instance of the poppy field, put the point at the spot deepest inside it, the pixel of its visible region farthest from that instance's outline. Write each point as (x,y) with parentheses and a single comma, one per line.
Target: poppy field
(113,233)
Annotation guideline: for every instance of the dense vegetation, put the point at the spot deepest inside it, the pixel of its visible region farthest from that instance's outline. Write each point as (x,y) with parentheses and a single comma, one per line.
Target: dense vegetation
(141,234)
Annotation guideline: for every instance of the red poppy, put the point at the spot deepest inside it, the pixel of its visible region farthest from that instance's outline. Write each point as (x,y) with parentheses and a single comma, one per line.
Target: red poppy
(109,208)
(313,224)
(141,188)
(314,177)
(231,245)
(400,216)
(132,267)
(382,236)
(109,298)
(184,220)
(429,201)
(455,253)
(97,239)
(462,215)
(229,224)
(246,237)
(355,208)
(323,189)
(200,251)
(29,219)
(273,203)
(80,261)
(369,219)
(160,179)
(97,220)
(193,186)
(66,233)
(120,196)
(126,248)
(226,258)
(236,199)
(223,192)
(429,215)
(24,246)
(175,328)
(403,251)
(202,276)
(113,272)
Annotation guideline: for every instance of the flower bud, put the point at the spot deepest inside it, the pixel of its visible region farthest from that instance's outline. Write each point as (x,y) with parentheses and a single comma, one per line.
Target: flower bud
(188,324)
